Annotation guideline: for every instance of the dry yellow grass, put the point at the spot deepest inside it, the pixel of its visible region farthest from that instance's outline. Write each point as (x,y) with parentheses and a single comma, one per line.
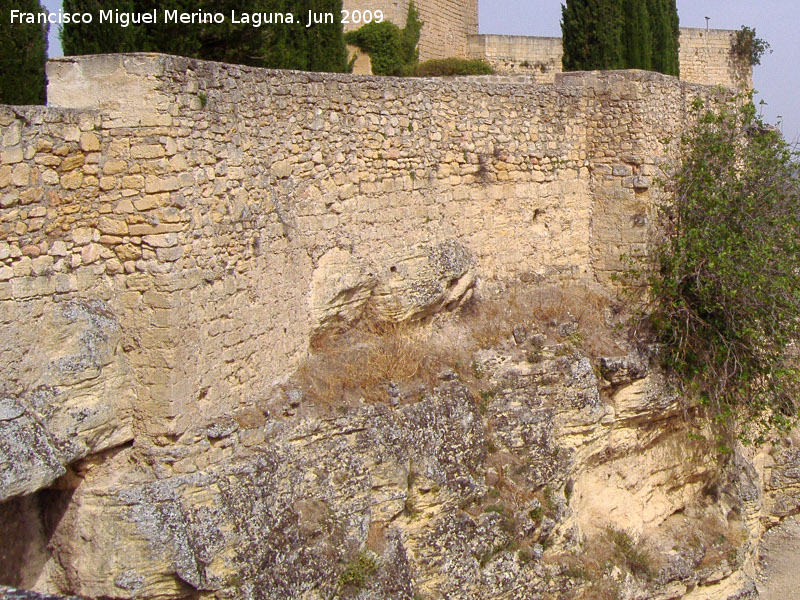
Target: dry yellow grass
(359,365)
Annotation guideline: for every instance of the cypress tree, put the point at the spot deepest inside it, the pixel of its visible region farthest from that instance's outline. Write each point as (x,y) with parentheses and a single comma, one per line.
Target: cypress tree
(317,48)
(636,35)
(23,53)
(620,34)
(665,30)
(97,37)
(592,34)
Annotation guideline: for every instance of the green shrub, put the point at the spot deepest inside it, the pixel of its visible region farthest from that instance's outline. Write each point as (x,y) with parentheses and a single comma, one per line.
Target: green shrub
(359,570)
(631,553)
(747,47)
(726,283)
(447,67)
(392,51)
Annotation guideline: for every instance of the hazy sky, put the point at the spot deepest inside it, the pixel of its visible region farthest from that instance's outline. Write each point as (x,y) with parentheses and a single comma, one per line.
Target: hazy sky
(777,79)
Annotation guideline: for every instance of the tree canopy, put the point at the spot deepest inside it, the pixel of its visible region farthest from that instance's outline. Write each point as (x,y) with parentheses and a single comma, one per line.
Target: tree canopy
(319,47)
(725,284)
(23,53)
(620,34)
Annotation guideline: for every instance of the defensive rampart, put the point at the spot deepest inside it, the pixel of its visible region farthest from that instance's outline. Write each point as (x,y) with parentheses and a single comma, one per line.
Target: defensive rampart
(705,57)
(196,200)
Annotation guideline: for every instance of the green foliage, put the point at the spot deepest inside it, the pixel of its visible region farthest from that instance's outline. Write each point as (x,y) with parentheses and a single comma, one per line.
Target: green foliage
(97,37)
(448,67)
(392,51)
(409,36)
(317,48)
(747,47)
(592,34)
(631,553)
(620,34)
(636,35)
(359,570)
(665,30)
(726,283)
(23,53)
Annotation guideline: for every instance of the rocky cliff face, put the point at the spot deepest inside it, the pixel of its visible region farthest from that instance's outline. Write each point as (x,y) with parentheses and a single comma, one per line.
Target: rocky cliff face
(530,467)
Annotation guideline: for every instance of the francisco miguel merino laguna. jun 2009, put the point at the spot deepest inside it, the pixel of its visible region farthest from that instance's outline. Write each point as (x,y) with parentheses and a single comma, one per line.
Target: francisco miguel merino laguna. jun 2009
(125,19)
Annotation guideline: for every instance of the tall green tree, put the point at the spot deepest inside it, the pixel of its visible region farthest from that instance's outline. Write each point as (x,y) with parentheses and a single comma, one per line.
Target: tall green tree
(620,34)
(23,53)
(636,35)
(319,47)
(97,37)
(592,34)
(666,33)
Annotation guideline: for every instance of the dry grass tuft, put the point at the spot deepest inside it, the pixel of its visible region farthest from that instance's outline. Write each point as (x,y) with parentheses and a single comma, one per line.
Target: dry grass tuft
(589,307)
(360,364)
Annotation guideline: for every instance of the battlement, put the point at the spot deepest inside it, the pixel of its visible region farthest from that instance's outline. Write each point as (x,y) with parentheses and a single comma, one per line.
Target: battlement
(705,57)
(451,29)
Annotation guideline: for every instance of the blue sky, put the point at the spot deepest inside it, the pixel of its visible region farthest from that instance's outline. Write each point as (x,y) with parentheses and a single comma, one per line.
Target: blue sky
(777,79)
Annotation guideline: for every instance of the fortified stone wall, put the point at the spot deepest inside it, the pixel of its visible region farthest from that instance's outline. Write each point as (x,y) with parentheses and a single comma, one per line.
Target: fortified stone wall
(447,23)
(198,201)
(705,57)
(538,57)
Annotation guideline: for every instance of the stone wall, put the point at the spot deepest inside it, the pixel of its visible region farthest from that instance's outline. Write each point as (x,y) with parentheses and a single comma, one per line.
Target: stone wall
(705,57)
(537,57)
(447,23)
(199,202)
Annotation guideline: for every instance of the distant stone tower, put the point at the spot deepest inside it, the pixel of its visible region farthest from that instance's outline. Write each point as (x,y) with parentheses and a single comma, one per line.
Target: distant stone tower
(447,23)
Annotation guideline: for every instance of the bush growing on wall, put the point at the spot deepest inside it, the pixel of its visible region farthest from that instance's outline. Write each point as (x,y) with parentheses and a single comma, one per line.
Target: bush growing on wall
(445,67)
(748,47)
(392,51)
(726,288)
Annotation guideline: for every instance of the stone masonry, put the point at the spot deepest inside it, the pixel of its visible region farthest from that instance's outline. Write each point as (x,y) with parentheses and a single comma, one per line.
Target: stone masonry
(195,200)
(705,57)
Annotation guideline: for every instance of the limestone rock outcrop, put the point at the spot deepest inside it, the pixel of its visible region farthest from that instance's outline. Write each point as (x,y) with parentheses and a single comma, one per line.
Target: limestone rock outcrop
(421,280)
(450,494)
(68,392)
(340,288)
(403,284)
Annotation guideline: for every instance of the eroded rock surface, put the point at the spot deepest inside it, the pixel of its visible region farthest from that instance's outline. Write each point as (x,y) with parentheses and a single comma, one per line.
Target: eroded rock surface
(558,476)
(69,395)
(449,495)
(417,282)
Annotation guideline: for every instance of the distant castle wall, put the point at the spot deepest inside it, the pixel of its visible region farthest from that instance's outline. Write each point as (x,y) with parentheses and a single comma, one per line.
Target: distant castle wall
(197,199)
(451,29)
(537,57)
(705,57)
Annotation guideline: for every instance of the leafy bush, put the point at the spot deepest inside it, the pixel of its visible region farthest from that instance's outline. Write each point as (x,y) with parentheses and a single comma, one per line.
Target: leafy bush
(747,47)
(446,67)
(726,287)
(392,51)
